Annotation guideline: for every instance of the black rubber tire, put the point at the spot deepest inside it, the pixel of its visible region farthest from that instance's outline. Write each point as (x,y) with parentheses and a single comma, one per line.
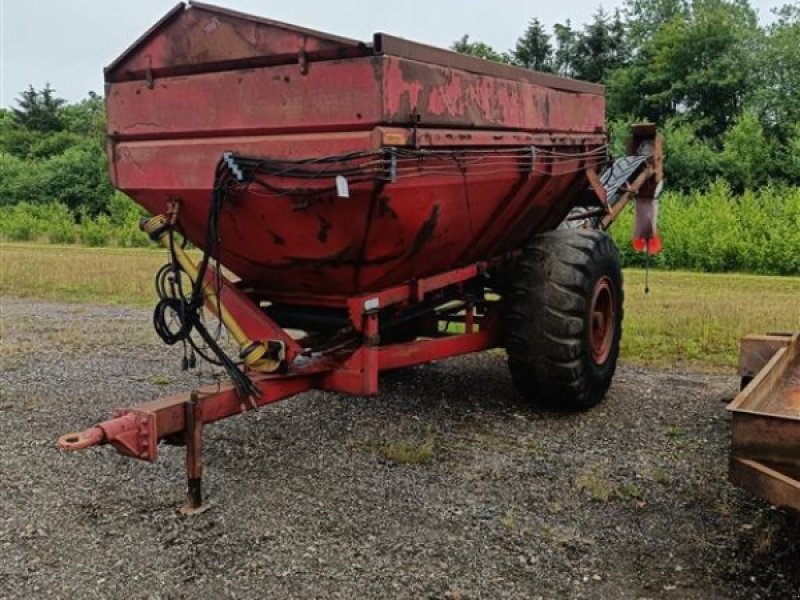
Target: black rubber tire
(549,320)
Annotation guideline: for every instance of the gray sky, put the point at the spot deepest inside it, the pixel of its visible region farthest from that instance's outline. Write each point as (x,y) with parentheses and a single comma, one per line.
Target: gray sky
(68,42)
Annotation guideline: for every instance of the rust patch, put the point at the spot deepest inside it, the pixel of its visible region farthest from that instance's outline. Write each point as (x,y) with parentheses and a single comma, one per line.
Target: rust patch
(794,400)
(426,232)
(211,26)
(547,109)
(384,208)
(403,115)
(324,230)
(422,73)
(276,238)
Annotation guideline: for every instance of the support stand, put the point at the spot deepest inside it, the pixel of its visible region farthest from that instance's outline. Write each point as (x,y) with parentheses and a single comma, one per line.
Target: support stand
(194,458)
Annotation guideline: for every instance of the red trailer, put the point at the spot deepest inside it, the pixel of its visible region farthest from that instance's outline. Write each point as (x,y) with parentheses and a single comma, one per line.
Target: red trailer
(363,207)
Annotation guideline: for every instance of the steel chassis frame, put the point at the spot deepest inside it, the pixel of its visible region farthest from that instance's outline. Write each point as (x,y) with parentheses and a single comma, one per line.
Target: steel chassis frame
(180,419)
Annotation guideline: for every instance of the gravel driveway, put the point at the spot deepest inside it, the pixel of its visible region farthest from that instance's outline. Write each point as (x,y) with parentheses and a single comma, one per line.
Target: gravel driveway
(445,486)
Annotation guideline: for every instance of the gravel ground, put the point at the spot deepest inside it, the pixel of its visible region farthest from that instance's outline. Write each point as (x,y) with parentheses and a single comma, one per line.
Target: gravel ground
(315,497)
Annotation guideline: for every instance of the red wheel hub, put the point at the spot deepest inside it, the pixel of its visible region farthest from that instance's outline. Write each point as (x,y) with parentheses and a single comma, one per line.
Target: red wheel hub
(603,321)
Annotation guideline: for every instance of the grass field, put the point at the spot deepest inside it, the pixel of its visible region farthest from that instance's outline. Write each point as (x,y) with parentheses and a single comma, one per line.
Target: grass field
(690,320)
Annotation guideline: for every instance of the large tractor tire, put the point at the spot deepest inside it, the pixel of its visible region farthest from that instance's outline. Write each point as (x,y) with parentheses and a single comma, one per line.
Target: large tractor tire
(564,319)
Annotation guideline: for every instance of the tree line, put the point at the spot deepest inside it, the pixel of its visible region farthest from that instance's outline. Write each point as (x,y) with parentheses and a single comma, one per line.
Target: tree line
(724,88)
(51,150)
(54,181)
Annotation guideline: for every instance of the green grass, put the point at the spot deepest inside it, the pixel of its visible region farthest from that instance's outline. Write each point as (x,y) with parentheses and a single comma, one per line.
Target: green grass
(110,276)
(407,453)
(690,321)
(695,320)
(595,483)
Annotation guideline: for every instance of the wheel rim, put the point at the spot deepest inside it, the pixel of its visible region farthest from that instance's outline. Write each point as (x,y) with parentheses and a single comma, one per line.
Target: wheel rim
(603,321)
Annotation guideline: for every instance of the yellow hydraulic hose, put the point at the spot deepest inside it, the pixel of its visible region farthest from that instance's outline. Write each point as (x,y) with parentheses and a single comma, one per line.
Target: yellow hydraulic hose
(255,353)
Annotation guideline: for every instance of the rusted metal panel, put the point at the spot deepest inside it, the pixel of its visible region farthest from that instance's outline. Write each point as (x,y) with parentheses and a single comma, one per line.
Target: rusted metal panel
(450,97)
(766,438)
(333,96)
(343,95)
(243,74)
(200,37)
(197,37)
(774,390)
(398,47)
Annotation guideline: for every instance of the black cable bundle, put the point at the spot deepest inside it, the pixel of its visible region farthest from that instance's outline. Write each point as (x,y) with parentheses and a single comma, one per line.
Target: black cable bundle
(189,310)
(390,163)
(357,167)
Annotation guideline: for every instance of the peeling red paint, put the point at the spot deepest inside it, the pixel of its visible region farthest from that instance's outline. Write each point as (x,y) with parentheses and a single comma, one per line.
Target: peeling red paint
(225,82)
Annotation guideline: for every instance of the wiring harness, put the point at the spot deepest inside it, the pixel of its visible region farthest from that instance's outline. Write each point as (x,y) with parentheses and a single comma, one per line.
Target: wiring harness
(179,312)
(318,176)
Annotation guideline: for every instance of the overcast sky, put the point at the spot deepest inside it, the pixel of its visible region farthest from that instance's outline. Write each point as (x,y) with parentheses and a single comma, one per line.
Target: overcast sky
(68,42)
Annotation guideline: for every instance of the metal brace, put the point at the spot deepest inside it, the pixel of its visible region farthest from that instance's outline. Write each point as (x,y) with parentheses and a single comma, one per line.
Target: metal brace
(302,60)
(532,165)
(392,171)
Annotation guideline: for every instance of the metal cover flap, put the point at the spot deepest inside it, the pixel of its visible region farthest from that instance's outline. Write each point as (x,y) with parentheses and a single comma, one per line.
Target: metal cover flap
(201,37)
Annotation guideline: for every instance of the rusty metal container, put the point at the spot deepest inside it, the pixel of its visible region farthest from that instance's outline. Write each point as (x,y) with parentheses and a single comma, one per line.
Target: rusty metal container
(765,455)
(423,195)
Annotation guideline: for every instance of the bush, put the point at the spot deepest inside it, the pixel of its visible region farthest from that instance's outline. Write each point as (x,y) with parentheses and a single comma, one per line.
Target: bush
(747,154)
(691,163)
(19,180)
(45,146)
(62,233)
(122,210)
(55,223)
(78,178)
(19,223)
(716,231)
(60,224)
(97,231)
(25,222)
(790,157)
(130,236)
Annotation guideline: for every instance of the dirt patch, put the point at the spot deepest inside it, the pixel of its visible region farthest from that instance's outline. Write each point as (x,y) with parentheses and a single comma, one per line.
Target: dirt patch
(445,486)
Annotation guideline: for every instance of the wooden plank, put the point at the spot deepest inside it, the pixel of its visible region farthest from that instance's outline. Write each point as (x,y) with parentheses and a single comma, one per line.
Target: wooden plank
(753,398)
(757,350)
(766,438)
(773,485)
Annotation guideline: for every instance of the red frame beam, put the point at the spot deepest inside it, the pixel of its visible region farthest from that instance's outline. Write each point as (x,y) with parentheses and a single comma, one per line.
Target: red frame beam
(136,431)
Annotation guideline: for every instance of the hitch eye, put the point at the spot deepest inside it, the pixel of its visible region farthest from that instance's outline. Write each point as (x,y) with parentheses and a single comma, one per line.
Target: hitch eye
(81,441)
